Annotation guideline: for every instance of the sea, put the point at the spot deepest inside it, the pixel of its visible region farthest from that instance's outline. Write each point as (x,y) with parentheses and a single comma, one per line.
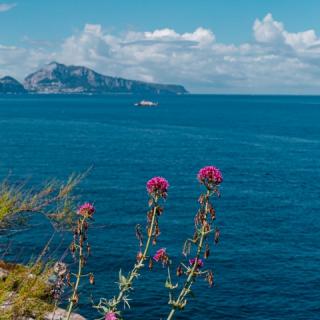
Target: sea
(267,263)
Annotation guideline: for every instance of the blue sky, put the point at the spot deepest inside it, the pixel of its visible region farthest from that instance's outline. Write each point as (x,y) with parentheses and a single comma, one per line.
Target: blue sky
(226,46)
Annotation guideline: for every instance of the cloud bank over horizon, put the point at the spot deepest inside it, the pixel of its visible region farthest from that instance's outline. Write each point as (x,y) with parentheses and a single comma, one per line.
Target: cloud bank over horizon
(275,61)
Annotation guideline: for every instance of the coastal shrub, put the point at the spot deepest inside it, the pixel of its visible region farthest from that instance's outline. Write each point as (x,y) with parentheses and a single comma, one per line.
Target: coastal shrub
(26,291)
(54,201)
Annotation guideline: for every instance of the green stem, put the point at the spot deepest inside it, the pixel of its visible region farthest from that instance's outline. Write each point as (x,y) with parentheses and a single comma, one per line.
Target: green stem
(138,265)
(190,279)
(78,276)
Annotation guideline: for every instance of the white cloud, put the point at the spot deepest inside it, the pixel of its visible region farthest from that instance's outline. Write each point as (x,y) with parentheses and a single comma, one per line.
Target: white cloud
(273,32)
(6,6)
(268,30)
(277,61)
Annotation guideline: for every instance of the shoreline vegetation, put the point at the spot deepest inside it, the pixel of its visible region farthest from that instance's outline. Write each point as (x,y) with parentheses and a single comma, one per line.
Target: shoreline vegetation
(48,287)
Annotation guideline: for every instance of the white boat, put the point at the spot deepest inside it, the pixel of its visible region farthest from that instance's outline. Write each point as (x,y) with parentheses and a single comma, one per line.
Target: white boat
(146,103)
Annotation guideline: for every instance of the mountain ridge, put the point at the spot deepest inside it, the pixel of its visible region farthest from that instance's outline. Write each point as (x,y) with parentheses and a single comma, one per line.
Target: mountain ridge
(57,78)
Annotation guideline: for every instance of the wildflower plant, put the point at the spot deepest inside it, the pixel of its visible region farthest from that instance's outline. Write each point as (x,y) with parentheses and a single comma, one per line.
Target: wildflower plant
(56,204)
(157,189)
(80,250)
(204,220)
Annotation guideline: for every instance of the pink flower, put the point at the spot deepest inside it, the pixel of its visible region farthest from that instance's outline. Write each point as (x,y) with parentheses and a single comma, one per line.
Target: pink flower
(158,186)
(199,262)
(110,316)
(160,254)
(86,210)
(209,176)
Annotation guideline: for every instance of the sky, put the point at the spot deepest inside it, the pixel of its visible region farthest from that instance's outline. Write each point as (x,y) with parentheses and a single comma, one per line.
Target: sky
(209,46)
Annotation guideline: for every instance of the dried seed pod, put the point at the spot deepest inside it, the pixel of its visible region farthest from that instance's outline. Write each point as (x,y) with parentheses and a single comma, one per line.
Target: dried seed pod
(149,216)
(179,271)
(157,230)
(68,278)
(83,261)
(195,237)
(159,210)
(73,247)
(210,278)
(139,256)
(139,234)
(91,278)
(88,249)
(216,236)
(207,251)
(207,226)
(150,263)
(75,299)
(201,199)
(212,214)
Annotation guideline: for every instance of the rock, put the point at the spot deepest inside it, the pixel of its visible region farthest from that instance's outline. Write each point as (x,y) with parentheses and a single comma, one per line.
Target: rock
(3,273)
(60,314)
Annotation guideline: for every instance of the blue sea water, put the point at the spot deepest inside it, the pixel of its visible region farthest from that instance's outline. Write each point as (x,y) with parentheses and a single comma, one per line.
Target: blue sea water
(268,149)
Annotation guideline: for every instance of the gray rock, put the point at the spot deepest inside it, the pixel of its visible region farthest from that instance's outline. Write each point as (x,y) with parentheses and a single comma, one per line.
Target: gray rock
(61,314)
(3,273)
(58,314)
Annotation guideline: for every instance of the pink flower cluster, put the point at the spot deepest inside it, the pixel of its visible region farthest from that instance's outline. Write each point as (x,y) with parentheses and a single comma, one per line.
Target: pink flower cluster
(159,254)
(199,262)
(110,316)
(86,210)
(158,186)
(210,175)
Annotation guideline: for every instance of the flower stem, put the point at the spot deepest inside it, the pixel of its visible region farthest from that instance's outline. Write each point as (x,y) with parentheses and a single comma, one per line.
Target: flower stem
(138,265)
(78,276)
(190,279)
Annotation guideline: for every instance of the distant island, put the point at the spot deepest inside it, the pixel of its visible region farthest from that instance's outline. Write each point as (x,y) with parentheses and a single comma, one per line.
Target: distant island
(57,78)
(10,85)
